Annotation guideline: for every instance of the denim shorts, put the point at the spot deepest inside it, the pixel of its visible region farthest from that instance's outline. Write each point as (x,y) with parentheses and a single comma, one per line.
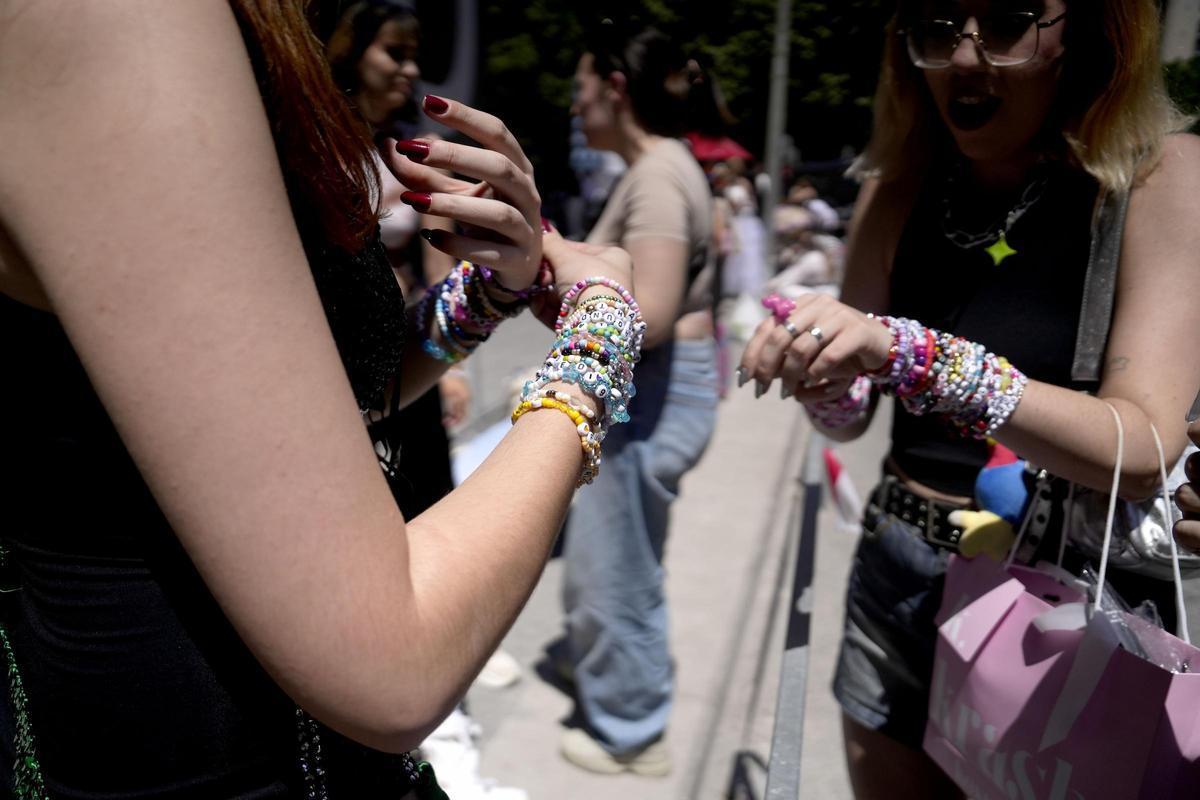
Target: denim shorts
(888,640)
(886,659)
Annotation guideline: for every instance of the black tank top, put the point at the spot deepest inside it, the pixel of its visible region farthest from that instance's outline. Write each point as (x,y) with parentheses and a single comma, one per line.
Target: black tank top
(1026,308)
(137,685)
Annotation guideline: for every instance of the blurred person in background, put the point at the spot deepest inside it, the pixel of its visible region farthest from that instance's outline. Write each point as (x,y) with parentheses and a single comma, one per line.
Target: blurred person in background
(630,95)
(372,54)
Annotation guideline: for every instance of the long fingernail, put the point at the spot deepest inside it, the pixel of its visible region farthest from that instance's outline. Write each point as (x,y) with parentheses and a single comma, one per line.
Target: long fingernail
(418,200)
(435,105)
(415,150)
(743,376)
(760,389)
(432,235)
(784,391)
(547,225)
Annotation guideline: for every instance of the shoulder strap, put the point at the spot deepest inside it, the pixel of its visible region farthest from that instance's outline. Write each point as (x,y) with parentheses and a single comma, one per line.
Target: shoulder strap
(1100,285)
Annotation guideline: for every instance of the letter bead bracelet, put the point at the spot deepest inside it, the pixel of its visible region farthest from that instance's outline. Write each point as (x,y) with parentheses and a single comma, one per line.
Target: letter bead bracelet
(599,341)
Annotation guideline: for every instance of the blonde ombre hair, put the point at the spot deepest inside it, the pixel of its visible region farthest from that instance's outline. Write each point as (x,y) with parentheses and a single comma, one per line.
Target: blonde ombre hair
(1110,118)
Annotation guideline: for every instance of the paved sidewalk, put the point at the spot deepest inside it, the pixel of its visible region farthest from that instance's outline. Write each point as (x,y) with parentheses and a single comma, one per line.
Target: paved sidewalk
(728,576)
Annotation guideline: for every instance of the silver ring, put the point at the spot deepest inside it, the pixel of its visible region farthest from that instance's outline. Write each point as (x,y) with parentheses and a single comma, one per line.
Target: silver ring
(816,333)
(790,328)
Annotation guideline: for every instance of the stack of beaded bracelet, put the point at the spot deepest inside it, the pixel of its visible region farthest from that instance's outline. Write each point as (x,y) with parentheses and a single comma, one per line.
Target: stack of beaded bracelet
(931,372)
(842,411)
(463,313)
(580,414)
(599,341)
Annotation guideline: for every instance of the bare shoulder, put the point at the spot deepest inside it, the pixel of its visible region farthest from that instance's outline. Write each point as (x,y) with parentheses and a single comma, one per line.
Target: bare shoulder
(1171,186)
(1161,234)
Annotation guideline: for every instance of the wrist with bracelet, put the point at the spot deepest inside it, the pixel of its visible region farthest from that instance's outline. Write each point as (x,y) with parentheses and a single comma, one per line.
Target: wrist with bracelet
(846,409)
(931,372)
(541,284)
(457,315)
(599,341)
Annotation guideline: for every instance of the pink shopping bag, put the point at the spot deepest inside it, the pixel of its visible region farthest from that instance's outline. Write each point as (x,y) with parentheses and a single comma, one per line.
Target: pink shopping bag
(1033,698)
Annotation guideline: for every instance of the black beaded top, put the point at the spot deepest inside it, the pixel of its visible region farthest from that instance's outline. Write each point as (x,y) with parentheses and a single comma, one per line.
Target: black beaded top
(138,686)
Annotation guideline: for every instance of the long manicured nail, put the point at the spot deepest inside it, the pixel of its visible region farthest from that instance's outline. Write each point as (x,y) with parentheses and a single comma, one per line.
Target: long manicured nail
(435,105)
(760,389)
(417,151)
(547,225)
(418,200)
(743,376)
(784,391)
(433,236)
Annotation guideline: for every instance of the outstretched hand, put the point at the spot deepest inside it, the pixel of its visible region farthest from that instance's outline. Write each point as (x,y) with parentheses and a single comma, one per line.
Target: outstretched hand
(816,351)
(500,215)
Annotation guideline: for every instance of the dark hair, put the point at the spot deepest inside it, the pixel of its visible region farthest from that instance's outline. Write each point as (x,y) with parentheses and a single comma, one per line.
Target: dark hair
(324,148)
(707,112)
(656,74)
(347,40)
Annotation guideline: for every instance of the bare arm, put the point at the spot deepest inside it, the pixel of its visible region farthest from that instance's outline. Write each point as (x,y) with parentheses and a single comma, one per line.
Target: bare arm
(660,265)
(1145,379)
(1150,374)
(185,291)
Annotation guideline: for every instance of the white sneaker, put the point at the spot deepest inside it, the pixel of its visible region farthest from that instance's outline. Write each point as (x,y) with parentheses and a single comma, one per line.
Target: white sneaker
(578,747)
(453,751)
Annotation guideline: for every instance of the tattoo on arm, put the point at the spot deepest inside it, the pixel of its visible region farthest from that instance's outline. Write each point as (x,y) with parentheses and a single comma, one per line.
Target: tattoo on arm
(1118,364)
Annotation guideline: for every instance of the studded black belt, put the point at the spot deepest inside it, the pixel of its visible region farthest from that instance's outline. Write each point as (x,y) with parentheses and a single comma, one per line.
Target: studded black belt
(931,518)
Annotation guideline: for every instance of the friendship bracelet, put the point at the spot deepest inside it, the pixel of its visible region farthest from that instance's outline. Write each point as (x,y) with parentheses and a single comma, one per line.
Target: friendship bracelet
(841,411)
(489,278)
(568,302)
(587,440)
(934,372)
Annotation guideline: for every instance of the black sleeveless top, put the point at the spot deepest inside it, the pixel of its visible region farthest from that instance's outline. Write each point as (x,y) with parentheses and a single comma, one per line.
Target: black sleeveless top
(1026,309)
(137,685)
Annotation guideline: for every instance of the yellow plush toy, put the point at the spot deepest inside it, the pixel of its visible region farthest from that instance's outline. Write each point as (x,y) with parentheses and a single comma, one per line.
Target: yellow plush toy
(983,533)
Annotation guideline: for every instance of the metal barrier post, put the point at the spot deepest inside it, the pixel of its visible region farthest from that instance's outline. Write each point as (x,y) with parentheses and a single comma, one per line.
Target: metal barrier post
(783,771)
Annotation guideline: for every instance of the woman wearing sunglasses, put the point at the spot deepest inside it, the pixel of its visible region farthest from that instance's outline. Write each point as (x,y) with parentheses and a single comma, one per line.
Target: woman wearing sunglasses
(1000,129)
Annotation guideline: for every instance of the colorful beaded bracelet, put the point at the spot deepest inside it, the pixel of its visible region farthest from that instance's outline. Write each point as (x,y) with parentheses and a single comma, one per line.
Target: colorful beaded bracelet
(587,440)
(841,411)
(935,372)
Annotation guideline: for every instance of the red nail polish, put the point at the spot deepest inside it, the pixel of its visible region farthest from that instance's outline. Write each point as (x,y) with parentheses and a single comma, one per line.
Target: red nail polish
(435,105)
(415,150)
(547,225)
(418,200)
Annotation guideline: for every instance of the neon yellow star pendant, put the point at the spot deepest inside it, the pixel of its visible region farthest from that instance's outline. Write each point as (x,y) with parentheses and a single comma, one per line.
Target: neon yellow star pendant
(1000,250)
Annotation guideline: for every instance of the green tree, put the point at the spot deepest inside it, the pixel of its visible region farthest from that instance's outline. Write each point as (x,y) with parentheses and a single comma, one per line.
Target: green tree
(530,52)
(1183,83)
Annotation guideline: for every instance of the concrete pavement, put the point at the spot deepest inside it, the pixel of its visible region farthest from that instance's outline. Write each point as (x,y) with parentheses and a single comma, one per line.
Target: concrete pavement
(728,561)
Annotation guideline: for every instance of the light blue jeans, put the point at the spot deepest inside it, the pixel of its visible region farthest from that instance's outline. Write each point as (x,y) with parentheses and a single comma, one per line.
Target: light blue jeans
(616,611)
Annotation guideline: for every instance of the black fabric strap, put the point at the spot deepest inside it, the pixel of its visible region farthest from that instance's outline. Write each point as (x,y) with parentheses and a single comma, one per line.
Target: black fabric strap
(1100,285)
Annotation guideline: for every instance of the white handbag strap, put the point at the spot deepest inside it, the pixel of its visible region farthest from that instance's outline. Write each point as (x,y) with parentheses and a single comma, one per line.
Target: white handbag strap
(1180,608)
(1112,506)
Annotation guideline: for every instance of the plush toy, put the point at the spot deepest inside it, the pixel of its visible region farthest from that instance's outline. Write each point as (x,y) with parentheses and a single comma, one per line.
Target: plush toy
(1002,497)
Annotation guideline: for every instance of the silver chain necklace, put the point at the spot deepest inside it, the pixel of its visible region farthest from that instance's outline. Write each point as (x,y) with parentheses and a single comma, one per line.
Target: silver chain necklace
(995,236)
